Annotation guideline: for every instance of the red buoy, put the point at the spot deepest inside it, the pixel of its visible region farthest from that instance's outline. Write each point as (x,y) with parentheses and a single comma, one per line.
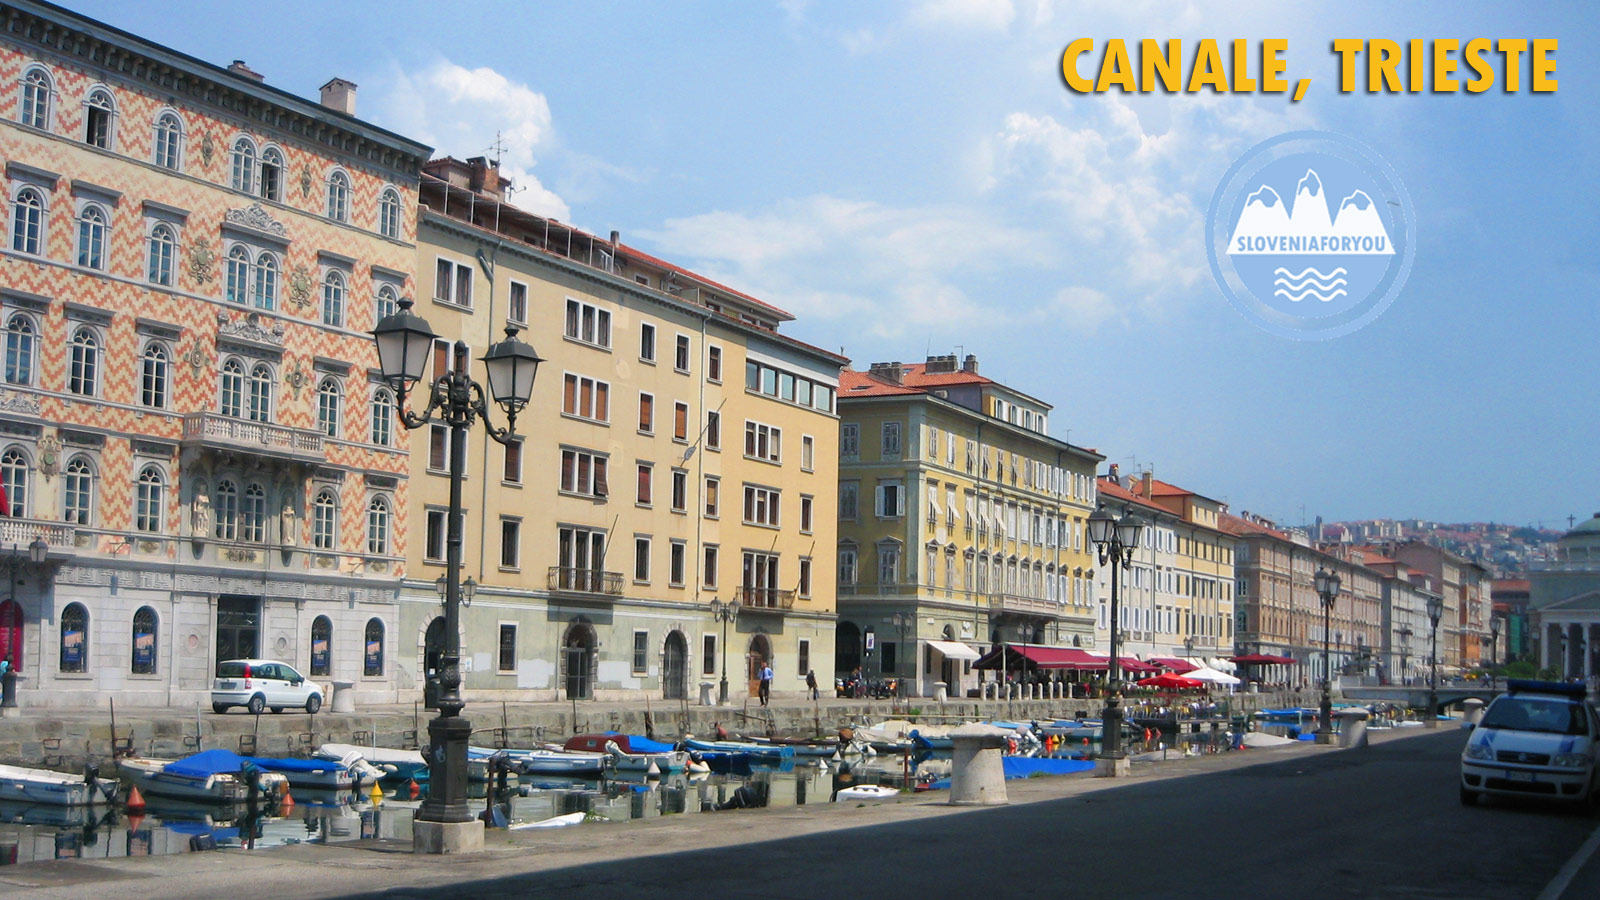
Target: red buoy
(135,800)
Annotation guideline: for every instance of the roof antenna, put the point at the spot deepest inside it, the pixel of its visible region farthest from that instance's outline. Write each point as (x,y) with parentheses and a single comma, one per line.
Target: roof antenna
(498,148)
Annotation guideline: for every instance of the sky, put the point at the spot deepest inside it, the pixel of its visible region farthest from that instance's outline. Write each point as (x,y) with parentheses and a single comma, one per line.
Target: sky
(914,177)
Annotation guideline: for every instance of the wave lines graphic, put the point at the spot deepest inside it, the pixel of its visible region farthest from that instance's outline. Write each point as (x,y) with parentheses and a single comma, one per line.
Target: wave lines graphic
(1296,276)
(1309,292)
(1309,282)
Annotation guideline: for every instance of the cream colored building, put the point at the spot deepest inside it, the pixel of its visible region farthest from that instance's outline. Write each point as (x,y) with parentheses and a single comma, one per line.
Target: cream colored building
(678,450)
(961,523)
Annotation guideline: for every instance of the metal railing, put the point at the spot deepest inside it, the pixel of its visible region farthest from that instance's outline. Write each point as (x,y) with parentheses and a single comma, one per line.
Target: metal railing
(585,581)
(766,598)
(216,430)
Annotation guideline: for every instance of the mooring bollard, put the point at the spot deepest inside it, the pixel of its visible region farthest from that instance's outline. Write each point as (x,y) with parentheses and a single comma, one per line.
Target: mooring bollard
(977,775)
(1352,728)
(1471,711)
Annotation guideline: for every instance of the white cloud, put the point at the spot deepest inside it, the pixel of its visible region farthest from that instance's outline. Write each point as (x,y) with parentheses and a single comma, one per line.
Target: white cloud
(986,15)
(464,112)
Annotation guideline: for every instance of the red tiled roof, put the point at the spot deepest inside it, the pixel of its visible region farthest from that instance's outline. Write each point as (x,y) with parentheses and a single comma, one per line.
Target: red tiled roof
(1235,525)
(918,374)
(658,261)
(1512,584)
(1374,558)
(1110,488)
(860,384)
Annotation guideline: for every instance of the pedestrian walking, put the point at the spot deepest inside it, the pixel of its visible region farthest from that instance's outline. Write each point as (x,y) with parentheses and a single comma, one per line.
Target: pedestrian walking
(766,682)
(811,684)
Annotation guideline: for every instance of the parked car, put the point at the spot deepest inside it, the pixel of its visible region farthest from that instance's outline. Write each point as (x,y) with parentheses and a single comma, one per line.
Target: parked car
(259,684)
(1541,739)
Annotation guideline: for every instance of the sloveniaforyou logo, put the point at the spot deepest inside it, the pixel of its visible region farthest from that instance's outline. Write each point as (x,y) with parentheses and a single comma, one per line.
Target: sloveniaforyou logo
(1311,235)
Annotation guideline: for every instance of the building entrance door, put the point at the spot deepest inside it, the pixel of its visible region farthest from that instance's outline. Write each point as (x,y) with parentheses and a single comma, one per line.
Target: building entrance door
(238,627)
(675,667)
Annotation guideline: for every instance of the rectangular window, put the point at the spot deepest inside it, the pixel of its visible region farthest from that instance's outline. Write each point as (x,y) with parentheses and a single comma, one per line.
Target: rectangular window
(647,413)
(452,283)
(714,364)
(588,324)
(888,565)
(517,305)
(761,506)
(680,490)
(676,561)
(438,448)
(849,441)
(713,431)
(708,577)
(805,514)
(849,497)
(510,543)
(764,442)
(641,650)
(891,500)
(583,473)
(808,452)
(680,357)
(508,647)
(641,559)
(586,398)
(647,342)
(805,657)
(805,578)
(434,536)
(512,473)
(891,439)
(712,484)
(933,443)
(847,566)
(680,422)
(643,497)
(708,654)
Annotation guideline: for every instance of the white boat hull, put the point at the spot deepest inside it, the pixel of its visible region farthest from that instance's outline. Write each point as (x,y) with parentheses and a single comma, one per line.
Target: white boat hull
(45,787)
(150,777)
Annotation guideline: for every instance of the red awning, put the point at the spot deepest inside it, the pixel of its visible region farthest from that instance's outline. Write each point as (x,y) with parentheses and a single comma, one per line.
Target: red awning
(1265,659)
(1129,664)
(1041,657)
(1177,666)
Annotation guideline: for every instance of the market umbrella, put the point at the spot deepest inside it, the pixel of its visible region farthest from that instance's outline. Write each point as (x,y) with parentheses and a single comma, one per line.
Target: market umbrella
(1170,681)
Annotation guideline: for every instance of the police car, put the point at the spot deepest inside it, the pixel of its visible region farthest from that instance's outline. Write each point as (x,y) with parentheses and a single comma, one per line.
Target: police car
(1540,739)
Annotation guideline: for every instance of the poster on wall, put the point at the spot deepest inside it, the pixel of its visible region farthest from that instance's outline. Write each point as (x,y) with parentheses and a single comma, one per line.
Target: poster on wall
(72,650)
(319,655)
(374,656)
(144,651)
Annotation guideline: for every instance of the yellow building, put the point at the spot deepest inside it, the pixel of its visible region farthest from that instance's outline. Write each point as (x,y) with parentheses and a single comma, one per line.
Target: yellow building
(678,450)
(961,523)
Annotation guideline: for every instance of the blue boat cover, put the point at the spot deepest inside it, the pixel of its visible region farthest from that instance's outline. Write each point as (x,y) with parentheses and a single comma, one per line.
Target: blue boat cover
(206,763)
(183,826)
(1023,766)
(641,744)
(276,764)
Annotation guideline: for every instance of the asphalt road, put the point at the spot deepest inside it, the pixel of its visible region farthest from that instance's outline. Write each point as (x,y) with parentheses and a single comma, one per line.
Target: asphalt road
(1381,822)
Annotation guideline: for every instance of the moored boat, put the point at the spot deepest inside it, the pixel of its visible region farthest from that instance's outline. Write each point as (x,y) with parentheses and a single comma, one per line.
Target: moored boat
(47,787)
(555,762)
(396,765)
(315,773)
(764,752)
(213,776)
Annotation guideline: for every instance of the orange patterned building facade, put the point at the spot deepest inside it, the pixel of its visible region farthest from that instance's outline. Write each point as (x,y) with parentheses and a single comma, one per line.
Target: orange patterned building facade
(191,425)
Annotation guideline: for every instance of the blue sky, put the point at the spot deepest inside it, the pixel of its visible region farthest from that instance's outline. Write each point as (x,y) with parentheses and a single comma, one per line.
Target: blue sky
(913,176)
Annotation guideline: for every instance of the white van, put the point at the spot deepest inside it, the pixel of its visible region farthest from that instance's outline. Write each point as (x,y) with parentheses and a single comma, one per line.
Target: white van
(1540,739)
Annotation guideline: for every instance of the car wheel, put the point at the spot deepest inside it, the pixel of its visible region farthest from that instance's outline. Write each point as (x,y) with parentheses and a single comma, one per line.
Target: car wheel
(219,708)
(257,705)
(276,710)
(1469,798)
(313,703)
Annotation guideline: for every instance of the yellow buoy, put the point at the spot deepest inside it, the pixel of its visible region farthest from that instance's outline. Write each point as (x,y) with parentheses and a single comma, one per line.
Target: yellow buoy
(376,794)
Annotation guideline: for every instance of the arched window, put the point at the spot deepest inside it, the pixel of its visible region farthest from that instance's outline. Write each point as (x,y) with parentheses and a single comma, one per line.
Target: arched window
(27,221)
(244,165)
(75,638)
(16,476)
(378,527)
(266,294)
(238,279)
(372,659)
(77,502)
(339,196)
(321,646)
(324,521)
(329,401)
(154,366)
(272,173)
(93,228)
(83,373)
(168,143)
(149,500)
(386,303)
(389,213)
(333,291)
(382,417)
(261,393)
(253,515)
(163,252)
(226,506)
(99,112)
(37,94)
(231,391)
(144,641)
(21,344)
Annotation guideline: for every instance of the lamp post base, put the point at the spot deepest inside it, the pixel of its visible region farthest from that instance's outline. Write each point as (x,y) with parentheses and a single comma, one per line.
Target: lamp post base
(447,837)
(1111,767)
(722,693)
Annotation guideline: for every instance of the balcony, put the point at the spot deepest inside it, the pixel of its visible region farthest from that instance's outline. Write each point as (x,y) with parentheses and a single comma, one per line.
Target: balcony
(593,582)
(1023,604)
(765,598)
(19,533)
(214,431)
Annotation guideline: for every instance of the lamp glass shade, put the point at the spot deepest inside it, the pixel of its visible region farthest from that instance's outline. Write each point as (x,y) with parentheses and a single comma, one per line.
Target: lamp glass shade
(38,549)
(404,341)
(1494,627)
(512,365)
(469,588)
(442,586)
(733,609)
(1321,581)
(1101,525)
(1128,529)
(1435,609)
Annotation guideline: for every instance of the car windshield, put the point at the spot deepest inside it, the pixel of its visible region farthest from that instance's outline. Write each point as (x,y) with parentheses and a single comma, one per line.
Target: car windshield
(232,669)
(1550,716)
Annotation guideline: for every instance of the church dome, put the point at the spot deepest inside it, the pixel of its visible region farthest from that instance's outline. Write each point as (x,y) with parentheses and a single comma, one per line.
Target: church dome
(1591,527)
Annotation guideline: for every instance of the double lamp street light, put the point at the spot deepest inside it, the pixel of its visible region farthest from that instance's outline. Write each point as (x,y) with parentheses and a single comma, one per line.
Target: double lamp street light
(724,613)
(1327,585)
(1435,611)
(1115,540)
(405,342)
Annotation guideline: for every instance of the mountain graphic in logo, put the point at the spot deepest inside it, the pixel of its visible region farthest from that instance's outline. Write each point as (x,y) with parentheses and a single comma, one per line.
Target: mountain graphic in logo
(1267,226)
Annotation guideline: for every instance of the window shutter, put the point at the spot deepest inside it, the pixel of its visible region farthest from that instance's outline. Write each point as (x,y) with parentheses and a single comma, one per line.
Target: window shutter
(600,487)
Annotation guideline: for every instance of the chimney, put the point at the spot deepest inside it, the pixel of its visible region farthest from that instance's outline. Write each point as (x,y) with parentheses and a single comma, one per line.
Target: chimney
(1113,473)
(940,364)
(340,96)
(1144,483)
(887,371)
(486,178)
(970,365)
(243,71)
(616,238)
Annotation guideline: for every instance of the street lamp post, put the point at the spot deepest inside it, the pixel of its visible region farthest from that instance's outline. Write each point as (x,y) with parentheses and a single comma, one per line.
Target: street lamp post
(1494,646)
(405,342)
(1435,610)
(1114,540)
(1327,584)
(724,613)
(1405,648)
(900,621)
(13,561)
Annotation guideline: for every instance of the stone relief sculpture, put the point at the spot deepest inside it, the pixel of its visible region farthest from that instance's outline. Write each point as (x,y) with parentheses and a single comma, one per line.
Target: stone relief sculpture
(200,512)
(288,526)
